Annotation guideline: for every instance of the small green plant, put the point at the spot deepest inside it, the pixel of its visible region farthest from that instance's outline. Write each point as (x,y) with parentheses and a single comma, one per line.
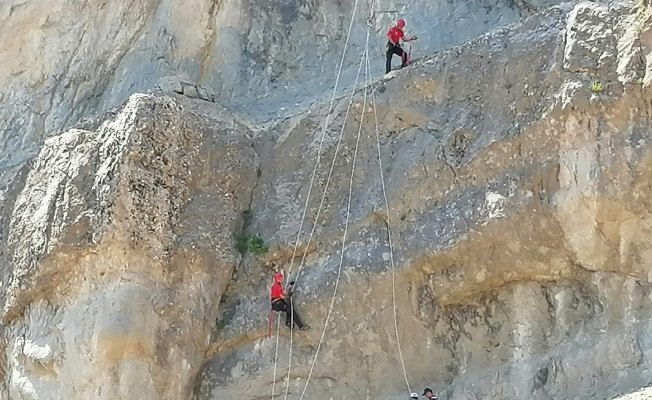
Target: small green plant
(254,244)
(257,245)
(597,87)
(639,81)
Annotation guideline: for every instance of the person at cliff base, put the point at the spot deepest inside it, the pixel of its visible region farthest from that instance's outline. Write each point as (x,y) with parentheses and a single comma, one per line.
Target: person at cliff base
(283,302)
(395,36)
(427,392)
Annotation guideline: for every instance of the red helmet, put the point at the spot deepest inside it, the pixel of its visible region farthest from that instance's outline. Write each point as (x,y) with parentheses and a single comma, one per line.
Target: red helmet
(400,23)
(278,277)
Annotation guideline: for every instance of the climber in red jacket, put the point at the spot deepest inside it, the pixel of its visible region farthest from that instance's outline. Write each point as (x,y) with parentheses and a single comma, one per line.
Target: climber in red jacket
(394,37)
(283,302)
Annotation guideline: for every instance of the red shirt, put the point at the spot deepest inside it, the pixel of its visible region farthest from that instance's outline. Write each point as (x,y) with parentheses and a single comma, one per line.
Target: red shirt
(277,291)
(396,34)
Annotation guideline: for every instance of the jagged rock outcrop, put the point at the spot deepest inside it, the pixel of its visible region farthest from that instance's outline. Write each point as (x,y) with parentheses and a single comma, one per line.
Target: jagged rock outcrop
(121,249)
(517,168)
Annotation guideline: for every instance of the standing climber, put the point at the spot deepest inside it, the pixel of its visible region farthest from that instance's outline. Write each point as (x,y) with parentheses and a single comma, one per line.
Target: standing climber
(394,37)
(283,302)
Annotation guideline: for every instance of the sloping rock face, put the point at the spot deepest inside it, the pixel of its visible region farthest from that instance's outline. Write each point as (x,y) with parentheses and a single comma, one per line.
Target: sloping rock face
(516,166)
(121,248)
(262,58)
(517,169)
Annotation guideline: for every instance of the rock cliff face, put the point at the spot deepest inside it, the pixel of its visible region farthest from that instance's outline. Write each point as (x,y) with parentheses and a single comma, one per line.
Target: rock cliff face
(121,247)
(517,169)
(517,172)
(262,58)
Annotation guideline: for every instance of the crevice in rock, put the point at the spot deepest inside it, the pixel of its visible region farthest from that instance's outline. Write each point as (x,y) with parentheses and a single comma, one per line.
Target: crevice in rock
(207,51)
(450,167)
(247,214)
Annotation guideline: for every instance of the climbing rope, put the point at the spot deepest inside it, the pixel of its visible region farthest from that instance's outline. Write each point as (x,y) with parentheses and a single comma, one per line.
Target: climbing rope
(323,135)
(323,198)
(369,85)
(389,233)
(312,180)
(346,223)
(364,60)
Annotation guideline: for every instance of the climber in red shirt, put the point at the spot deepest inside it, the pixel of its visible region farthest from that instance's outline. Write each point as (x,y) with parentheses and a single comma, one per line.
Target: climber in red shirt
(394,37)
(283,302)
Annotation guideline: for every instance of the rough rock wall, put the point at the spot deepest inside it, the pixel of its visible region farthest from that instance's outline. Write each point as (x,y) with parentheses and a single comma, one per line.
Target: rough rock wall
(517,168)
(518,189)
(264,58)
(121,248)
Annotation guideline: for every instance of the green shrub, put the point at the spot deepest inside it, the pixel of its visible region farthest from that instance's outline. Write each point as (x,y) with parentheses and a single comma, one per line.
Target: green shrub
(246,243)
(597,87)
(257,245)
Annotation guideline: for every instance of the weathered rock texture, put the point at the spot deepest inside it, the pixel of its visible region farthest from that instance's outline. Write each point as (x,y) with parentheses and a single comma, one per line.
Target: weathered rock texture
(519,210)
(263,58)
(517,169)
(121,249)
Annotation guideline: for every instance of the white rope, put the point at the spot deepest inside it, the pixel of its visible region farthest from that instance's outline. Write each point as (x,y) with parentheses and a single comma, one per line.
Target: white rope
(321,203)
(323,135)
(346,224)
(278,331)
(389,235)
(312,180)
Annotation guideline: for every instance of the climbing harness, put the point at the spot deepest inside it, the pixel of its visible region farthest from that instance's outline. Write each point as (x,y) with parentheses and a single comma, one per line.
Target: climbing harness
(278,278)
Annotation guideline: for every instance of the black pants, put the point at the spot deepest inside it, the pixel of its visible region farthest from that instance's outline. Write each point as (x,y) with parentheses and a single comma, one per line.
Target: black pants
(395,49)
(282,305)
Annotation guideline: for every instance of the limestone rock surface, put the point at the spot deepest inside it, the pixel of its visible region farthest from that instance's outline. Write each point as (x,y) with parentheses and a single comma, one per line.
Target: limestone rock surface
(121,247)
(518,206)
(517,169)
(264,59)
